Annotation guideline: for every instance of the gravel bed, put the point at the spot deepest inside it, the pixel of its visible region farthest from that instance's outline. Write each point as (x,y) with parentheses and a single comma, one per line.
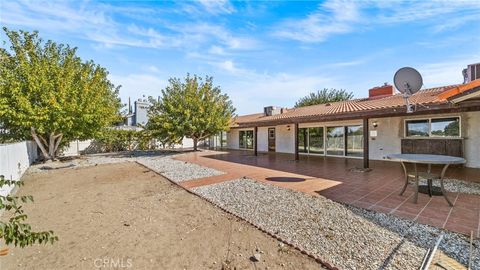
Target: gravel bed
(455,185)
(347,237)
(158,161)
(178,171)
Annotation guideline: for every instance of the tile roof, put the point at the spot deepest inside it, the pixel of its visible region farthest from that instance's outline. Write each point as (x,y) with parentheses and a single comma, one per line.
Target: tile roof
(430,96)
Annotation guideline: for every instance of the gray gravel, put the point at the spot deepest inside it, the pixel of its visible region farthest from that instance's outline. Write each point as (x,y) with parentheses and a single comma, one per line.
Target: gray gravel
(178,171)
(158,161)
(455,185)
(347,237)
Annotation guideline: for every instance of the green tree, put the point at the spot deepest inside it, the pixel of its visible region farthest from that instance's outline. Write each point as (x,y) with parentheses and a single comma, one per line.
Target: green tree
(324,96)
(192,108)
(49,95)
(15,230)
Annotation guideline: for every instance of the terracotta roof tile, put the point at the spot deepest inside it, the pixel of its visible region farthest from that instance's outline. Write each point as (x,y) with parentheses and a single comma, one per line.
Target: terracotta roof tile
(424,97)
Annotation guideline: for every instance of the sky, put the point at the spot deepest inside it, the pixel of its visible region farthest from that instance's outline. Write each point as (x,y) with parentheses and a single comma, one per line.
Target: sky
(260,53)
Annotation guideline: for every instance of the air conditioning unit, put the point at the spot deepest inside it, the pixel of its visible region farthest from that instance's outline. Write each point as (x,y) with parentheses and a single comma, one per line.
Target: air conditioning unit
(471,73)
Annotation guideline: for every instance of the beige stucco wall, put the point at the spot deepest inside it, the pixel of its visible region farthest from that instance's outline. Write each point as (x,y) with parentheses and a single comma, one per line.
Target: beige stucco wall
(262,137)
(390,131)
(285,138)
(232,138)
(472,138)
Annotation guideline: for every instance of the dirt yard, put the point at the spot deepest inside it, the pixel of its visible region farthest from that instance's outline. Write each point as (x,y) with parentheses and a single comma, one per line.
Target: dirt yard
(123,216)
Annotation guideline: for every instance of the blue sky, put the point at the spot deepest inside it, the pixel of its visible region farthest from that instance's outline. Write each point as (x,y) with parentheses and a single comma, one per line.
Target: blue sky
(261,52)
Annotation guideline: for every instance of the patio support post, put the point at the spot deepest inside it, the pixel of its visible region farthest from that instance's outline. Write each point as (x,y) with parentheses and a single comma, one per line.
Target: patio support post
(296,142)
(255,145)
(365,144)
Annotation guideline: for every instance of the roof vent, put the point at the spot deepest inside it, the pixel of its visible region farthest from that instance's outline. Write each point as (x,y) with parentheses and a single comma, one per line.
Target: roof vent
(272,110)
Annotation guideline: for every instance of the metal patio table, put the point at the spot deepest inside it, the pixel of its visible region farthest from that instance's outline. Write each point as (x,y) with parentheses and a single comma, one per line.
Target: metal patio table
(429,160)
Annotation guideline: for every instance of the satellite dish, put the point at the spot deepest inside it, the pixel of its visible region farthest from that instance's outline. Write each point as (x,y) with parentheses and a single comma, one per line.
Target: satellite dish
(408,81)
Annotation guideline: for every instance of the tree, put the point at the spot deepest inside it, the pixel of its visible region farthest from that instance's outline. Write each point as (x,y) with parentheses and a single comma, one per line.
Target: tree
(49,95)
(15,230)
(324,96)
(192,108)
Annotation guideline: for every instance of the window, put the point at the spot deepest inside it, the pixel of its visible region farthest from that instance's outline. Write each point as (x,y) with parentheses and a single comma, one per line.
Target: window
(302,140)
(311,140)
(445,127)
(435,127)
(315,140)
(417,128)
(335,141)
(355,141)
(246,139)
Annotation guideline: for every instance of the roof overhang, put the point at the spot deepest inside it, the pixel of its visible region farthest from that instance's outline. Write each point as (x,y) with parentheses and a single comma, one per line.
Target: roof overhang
(465,106)
(466,95)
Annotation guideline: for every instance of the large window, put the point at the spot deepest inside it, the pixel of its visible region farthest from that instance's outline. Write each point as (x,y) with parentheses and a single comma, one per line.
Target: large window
(445,127)
(435,127)
(310,140)
(355,141)
(303,140)
(315,140)
(335,141)
(246,139)
(417,128)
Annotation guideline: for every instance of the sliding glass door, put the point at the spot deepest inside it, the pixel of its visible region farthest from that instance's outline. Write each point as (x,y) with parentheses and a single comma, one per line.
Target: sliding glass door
(355,141)
(315,140)
(245,139)
(335,141)
(311,140)
(303,140)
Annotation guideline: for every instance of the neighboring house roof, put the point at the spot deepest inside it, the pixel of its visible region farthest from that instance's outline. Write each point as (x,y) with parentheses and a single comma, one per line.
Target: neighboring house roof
(426,100)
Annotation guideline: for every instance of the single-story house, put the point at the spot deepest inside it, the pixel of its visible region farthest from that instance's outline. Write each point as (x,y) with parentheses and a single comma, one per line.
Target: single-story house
(445,120)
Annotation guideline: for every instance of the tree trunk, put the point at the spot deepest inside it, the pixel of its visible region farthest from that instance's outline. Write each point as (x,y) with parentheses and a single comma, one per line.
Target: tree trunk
(195,142)
(37,139)
(52,144)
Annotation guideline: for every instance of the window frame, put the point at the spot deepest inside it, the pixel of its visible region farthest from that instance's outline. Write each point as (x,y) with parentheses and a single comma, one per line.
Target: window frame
(245,139)
(430,136)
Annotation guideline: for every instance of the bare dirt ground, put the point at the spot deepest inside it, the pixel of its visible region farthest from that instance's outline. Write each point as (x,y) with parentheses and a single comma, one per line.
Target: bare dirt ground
(123,216)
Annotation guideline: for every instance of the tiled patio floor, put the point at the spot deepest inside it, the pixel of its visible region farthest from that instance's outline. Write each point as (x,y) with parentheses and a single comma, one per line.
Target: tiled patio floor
(331,177)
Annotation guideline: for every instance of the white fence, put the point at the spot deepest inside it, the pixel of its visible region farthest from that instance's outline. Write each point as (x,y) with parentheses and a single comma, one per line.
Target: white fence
(15,158)
(76,148)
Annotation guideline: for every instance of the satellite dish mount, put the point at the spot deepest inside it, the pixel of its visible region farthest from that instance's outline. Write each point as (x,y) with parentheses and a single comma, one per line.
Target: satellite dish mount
(408,81)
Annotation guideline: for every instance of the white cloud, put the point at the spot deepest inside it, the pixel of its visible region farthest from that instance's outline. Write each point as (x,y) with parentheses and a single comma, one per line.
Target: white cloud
(335,17)
(217,6)
(97,22)
(231,67)
(252,92)
(446,72)
(134,85)
(332,17)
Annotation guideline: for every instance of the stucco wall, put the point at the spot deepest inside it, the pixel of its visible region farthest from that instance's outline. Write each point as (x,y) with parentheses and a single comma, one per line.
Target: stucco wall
(262,137)
(232,138)
(388,139)
(472,138)
(285,139)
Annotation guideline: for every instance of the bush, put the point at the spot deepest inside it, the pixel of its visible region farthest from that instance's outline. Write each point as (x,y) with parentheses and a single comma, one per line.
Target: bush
(114,140)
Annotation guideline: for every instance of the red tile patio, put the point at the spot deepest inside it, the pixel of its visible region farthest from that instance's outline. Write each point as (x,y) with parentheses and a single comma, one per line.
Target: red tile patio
(333,178)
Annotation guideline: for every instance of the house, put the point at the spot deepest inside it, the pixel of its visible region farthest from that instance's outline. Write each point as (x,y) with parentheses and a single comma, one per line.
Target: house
(445,120)
(139,116)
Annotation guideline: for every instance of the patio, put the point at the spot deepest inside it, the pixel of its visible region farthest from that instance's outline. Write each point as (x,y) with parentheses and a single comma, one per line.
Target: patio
(334,178)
